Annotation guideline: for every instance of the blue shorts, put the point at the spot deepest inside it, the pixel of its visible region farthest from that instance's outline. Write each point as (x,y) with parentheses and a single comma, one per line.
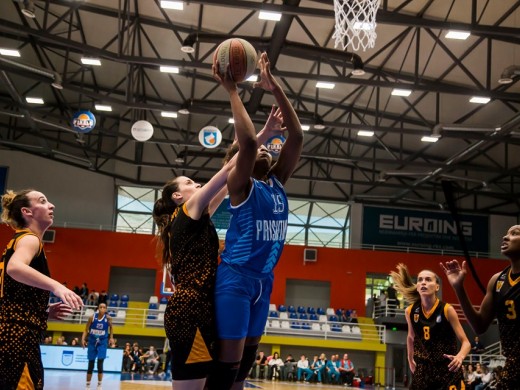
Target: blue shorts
(241,303)
(97,348)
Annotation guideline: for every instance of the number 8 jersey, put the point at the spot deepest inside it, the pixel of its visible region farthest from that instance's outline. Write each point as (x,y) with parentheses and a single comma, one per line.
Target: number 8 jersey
(434,335)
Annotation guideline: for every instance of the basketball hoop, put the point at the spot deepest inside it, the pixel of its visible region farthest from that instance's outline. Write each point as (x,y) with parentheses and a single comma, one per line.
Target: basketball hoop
(355,23)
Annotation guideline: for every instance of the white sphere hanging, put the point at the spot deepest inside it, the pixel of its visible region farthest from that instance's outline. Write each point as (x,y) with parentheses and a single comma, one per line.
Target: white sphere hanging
(142,130)
(210,137)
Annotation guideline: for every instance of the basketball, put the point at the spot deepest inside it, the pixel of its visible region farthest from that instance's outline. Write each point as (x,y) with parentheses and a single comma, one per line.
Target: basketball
(239,54)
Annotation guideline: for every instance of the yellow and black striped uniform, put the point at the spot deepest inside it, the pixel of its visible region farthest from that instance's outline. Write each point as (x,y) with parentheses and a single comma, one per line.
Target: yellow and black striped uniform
(506,301)
(434,337)
(23,319)
(189,318)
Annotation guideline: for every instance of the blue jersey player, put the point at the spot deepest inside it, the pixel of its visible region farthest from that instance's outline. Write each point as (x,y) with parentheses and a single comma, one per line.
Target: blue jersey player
(98,331)
(254,241)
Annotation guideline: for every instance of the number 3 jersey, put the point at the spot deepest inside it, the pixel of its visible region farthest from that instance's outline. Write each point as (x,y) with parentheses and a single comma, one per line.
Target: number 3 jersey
(257,230)
(434,335)
(506,301)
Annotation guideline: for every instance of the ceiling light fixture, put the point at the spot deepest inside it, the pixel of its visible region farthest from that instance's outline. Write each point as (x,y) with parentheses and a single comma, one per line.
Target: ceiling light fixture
(102,107)
(324,85)
(319,124)
(176,5)
(90,61)
(169,69)
(9,52)
(401,92)
(461,35)
(306,127)
(168,114)
(507,75)
(431,139)
(253,78)
(28,9)
(479,100)
(231,120)
(34,100)
(365,133)
(274,16)
(185,108)
(189,43)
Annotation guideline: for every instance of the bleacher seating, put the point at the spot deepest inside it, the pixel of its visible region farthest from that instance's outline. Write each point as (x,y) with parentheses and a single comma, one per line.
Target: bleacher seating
(330,311)
(301,309)
(114,297)
(293,316)
(275,324)
(313,317)
(291,309)
(311,310)
(320,311)
(272,307)
(162,307)
(163,301)
(284,315)
(113,303)
(282,308)
(304,316)
(125,298)
(120,317)
(273,314)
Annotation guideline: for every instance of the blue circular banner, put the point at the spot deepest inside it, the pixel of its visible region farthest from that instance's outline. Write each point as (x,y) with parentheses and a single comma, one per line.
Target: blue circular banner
(274,144)
(83,121)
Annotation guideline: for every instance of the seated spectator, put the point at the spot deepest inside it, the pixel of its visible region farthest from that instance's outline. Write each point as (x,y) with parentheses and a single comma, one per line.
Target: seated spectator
(275,363)
(332,368)
(152,360)
(485,379)
(258,370)
(304,370)
(127,360)
(497,373)
(74,342)
(476,349)
(135,356)
(92,299)
(346,370)
(61,341)
(288,371)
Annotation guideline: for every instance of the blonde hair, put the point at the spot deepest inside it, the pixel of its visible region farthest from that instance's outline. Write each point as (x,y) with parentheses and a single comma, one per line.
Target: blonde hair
(12,204)
(404,283)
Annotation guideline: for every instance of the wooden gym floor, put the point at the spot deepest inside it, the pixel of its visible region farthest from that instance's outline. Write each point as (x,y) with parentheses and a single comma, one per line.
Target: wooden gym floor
(74,380)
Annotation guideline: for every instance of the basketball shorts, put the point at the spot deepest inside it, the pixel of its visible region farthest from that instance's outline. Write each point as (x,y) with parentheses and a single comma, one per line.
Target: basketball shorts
(241,303)
(190,328)
(97,349)
(436,376)
(20,357)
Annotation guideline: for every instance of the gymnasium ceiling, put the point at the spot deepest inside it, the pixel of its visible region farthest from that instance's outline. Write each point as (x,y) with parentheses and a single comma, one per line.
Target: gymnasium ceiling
(479,145)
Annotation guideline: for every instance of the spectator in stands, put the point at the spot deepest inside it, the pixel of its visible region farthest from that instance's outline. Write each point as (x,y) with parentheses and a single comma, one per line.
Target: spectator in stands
(259,365)
(332,368)
(392,301)
(135,357)
(303,369)
(275,364)
(25,288)
(83,292)
(112,343)
(433,330)
(95,337)
(501,301)
(469,375)
(485,379)
(74,342)
(103,297)
(497,374)
(61,341)
(288,371)
(382,303)
(346,370)
(151,357)
(127,360)
(370,306)
(476,349)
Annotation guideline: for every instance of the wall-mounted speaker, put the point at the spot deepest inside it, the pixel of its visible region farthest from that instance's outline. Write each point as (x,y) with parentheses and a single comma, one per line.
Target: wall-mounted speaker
(310,254)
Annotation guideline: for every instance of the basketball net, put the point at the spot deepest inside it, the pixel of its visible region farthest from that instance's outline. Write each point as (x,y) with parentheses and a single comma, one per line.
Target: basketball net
(355,23)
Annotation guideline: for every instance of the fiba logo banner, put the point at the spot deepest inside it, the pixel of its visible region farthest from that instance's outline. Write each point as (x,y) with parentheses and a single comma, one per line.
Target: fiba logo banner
(83,121)
(274,144)
(210,137)
(67,357)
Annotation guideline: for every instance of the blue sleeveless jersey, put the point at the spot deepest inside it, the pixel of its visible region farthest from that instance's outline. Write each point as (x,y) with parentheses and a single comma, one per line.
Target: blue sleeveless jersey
(256,234)
(98,329)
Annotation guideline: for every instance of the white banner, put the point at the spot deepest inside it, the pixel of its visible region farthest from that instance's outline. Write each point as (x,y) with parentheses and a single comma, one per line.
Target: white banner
(75,358)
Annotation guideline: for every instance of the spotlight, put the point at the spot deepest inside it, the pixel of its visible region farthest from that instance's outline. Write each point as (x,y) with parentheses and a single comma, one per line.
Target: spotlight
(28,9)
(188,43)
(57,83)
(318,124)
(185,108)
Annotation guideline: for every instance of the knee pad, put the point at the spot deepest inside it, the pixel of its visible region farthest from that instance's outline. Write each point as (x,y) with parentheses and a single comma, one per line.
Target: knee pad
(100,366)
(90,368)
(248,358)
(222,376)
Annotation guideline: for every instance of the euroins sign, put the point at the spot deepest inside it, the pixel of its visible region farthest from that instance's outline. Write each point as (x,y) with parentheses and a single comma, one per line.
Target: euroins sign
(423,229)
